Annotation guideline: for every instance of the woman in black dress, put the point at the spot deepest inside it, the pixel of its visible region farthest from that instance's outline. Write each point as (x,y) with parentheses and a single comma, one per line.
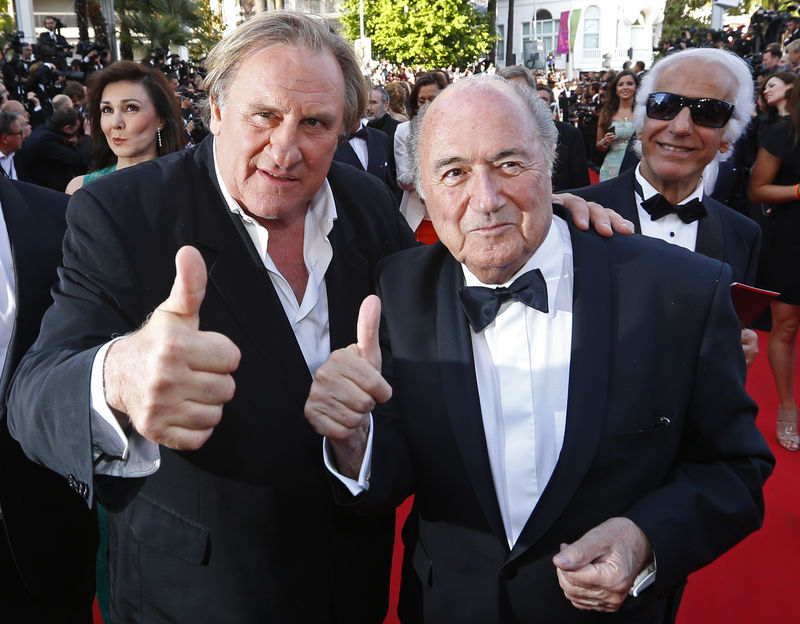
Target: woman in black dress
(775,179)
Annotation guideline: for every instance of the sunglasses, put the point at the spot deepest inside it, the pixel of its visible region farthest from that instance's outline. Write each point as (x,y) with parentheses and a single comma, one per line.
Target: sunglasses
(705,111)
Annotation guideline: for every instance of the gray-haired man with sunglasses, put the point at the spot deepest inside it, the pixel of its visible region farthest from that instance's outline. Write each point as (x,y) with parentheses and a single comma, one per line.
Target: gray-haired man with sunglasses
(690,109)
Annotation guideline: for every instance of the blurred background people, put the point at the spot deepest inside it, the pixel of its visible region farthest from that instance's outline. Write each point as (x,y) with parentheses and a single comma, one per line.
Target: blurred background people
(774,180)
(615,122)
(425,89)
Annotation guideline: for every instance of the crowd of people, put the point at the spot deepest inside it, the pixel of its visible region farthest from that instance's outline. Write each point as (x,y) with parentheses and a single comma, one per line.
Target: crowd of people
(214,370)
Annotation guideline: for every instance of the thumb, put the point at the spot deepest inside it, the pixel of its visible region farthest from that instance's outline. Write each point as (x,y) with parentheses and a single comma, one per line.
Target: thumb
(189,287)
(576,555)
(369,320)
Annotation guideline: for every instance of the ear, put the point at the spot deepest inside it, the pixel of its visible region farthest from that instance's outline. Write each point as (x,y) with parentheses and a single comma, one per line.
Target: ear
(215,123)
(724,147)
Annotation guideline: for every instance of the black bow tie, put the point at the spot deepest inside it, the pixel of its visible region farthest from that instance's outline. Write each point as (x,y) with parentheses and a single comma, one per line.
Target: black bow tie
(361,133)
(657,206)
(481,304)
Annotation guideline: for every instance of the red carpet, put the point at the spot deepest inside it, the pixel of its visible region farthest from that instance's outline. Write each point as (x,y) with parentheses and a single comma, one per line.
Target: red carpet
(755,582)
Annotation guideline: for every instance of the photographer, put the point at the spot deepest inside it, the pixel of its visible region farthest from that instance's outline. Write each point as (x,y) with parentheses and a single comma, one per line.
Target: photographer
(96,58)
(193,123)
(53,47)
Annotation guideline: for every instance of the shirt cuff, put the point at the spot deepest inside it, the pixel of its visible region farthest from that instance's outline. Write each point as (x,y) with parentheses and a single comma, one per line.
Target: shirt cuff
(115,453)
(362,484)
(645,579)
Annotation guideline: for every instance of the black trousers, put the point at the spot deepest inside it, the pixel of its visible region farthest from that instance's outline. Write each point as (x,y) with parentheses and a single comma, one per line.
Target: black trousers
(18,605)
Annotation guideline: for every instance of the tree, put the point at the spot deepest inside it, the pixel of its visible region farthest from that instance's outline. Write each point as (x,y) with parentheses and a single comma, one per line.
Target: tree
(210,30)
(8,26)
(435,33)
(679,16)
(156,23)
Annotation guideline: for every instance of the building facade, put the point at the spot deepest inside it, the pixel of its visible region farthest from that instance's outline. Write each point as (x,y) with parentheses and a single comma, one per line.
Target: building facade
(603,33)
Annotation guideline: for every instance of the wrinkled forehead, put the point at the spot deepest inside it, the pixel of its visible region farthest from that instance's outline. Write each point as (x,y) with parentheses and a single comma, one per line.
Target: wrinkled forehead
(693,77)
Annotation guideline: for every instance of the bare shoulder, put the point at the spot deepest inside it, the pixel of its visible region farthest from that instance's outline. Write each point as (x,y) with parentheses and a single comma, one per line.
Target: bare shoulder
(74,185)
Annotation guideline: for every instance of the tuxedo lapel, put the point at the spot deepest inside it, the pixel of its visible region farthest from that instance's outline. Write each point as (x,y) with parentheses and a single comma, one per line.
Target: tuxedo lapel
(347,282)
(460,389)
(28,267)
(346,154)
(709,232)
(623,198)
(238,274)
(376,160)
(588,385)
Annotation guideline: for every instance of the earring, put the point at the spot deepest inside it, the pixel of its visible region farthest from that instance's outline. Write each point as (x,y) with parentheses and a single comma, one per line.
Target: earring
(158,134)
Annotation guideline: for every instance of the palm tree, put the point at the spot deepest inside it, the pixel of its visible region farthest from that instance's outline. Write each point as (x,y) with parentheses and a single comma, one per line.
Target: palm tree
(156,23)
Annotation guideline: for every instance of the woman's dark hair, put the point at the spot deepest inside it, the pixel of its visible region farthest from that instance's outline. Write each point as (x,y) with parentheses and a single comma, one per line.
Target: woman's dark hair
(611,103)
(431,78)
(173,137)
(786,77)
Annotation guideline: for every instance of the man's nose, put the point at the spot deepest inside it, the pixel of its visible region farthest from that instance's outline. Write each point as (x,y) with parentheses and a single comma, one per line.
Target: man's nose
(682,123)
(284,145)
(485,190)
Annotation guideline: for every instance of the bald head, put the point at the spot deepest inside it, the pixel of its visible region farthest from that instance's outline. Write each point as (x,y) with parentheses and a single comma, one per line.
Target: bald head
(483,153)
(61,101)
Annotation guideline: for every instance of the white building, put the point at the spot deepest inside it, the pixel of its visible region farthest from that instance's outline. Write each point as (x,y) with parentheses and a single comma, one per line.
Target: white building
(604,33)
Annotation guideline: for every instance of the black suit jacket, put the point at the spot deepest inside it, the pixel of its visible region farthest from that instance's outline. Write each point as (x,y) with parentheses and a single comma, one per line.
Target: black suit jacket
(723,234)
(244,529)
(649,434)
(51,532)
(378,150)
(570,169)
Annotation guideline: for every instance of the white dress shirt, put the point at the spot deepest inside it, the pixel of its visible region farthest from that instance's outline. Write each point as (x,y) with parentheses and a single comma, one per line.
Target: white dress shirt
(522,369)
(7,163)
(668,228)
(522,386)
(133,455)
(360,147)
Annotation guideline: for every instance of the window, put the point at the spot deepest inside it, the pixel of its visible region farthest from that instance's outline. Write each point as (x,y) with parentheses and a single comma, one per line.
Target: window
(501,43)
(547,31)
(591,28)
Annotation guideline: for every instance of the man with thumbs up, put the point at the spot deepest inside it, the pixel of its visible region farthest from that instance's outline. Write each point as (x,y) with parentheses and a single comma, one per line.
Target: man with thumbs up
(568,411)
(199,294)
(175,396)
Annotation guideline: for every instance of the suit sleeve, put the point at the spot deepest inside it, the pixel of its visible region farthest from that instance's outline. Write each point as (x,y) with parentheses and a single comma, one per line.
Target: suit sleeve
(712,497)
(94,300)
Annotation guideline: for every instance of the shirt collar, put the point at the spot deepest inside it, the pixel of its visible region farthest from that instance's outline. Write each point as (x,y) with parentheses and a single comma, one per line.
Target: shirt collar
(646,190)
(549,258)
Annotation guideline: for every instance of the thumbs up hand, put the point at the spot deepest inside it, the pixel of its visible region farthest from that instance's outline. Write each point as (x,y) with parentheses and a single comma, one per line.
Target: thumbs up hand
(346,389)
(168,379)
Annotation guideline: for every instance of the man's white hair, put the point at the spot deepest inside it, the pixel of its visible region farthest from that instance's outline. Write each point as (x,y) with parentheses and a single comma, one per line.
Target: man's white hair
(743,94)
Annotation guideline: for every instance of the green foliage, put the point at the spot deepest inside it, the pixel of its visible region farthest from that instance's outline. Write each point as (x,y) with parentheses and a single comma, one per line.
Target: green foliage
(434,33)
(210,30)
(677,18)
(157,23)
(7,25)
(748,7)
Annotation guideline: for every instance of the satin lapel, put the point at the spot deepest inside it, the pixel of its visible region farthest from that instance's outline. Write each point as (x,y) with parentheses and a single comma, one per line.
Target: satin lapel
(623,198)
(709,233)
(28,267)
(347,281)
(346,154)
(588,385)
(237,273)
(460,389)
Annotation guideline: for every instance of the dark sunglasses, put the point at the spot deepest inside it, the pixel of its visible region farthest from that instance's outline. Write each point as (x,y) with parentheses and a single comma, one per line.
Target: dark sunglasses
(705,111)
